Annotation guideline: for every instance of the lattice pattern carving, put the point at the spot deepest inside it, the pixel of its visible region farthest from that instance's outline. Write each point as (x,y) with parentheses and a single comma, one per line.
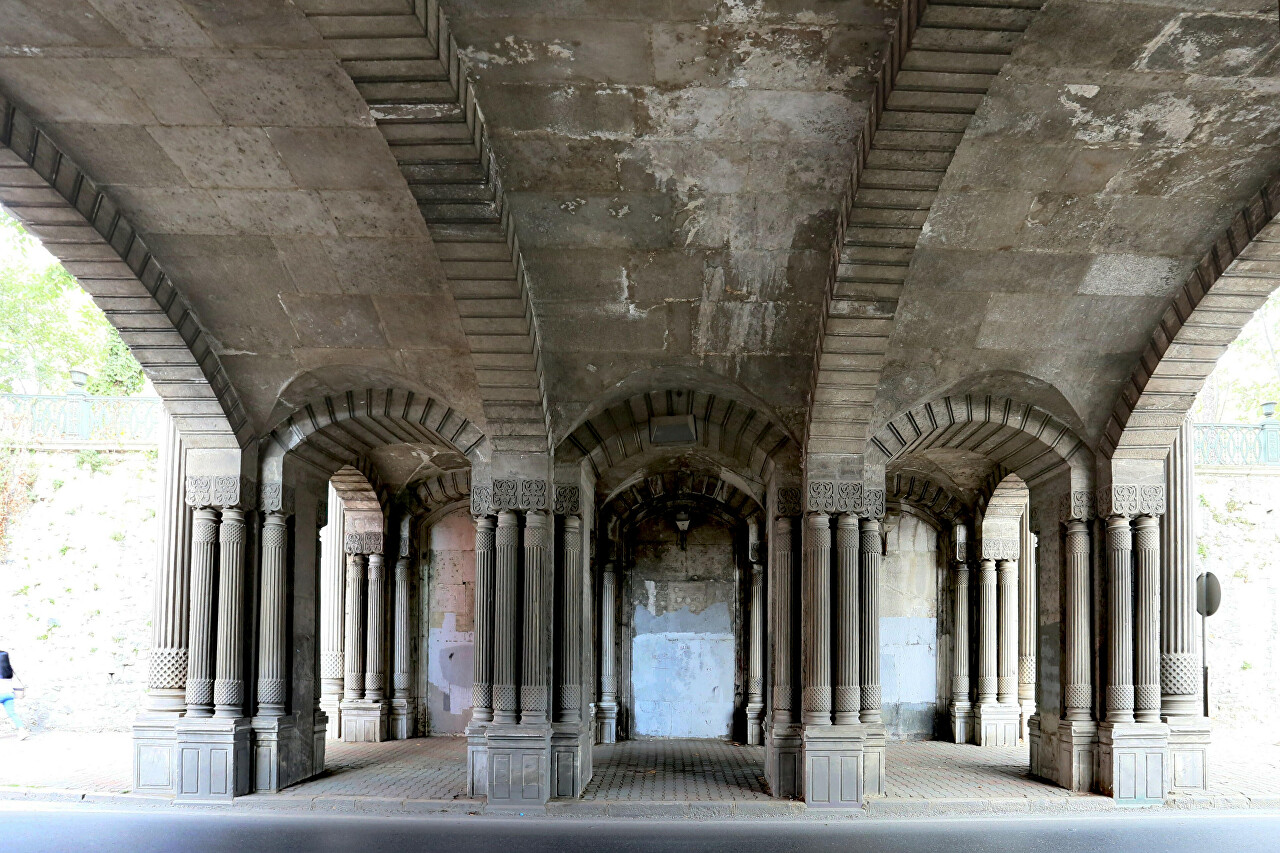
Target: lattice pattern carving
(167,669)
(1180,673)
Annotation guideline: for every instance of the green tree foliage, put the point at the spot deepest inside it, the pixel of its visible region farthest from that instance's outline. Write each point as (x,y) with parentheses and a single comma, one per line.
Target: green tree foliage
(48,325)
(1247,375)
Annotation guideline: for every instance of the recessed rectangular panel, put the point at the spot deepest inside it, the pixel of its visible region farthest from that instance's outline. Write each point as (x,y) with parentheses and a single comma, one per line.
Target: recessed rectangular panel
(155,767)
(532,783)
(849,765)
(190,761)
(501,776)
(819,790)
(219,770)
(1126,781)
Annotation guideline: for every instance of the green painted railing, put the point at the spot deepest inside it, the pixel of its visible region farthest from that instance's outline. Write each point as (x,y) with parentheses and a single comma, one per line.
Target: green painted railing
(80,420)
(1238,445)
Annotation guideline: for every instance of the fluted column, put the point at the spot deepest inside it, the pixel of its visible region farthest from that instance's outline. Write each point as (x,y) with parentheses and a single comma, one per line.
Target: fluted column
(167,660)
(204,544)
(817,620)
(1007,666)
(1146,541)
(755,659)
(1179,654)
(847,696)
(960,648)
(987,656)
(402,670)
(272,678)
(1028,616)
(506,590)
(780,591)
(482,660)
(228,684)
(533,669)
(570,710)
(332,607)
(1078,694)
(353,647)
(1120,620)
(375,673)
(608,654)
(871,554)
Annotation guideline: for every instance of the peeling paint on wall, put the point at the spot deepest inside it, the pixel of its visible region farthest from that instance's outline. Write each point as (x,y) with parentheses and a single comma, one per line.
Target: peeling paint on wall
(450,568)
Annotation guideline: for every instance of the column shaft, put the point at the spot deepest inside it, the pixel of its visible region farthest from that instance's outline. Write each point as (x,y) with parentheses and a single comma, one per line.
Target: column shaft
(204,543)
(375,672)
(533,670)
(1007,666)
(167,661)
(353,651)
(755,660)
(571,625)
(332,593)
(273,690)
(506,615)
(228,685)
(847,698)
(1120,621)
(871,554)
(608,654)
(482,660)
(402,669)
(1179,653)
(1028,616)
(780,591)
(987,655)
(1078,693)
(817,620)
(960,648)
(1146,543)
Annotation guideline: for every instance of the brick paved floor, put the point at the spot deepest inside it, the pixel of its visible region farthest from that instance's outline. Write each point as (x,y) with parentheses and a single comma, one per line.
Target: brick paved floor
(934,770)
(651,770)
(416,769)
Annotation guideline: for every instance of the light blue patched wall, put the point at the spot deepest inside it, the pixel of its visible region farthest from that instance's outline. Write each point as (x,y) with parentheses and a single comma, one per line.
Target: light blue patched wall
(909,675)
(683,680)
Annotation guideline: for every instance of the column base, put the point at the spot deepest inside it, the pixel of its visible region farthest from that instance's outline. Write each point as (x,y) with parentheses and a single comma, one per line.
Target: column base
(1037,741)
(364,720)
(1188,754)
(402,718)
(783,746)
(1133,762)
(331,706)
(874,783)
(1026,710)
(155,754)
(607,723)
(570,759)
(755,723)
(213,758)
(833,766)
(997,725)
(1077,754)
(276,757)
(319,732)
(477,760)
(519,766)
(961,722)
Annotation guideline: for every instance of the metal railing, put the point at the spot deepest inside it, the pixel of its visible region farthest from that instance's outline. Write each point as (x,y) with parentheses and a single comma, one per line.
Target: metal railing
(1238,445)
(80,421)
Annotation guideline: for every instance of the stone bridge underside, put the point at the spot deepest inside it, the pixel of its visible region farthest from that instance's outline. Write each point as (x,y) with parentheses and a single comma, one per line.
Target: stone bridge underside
(464,242)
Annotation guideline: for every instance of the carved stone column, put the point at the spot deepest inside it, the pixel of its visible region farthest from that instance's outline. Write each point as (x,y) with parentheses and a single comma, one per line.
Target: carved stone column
(755,661)
(1119,620)
(781,592)
(871,556)
(1028,622)
(228,683)
(961,704)
(987,655)
(571,627)
(167,660)
(1077,731)
(1146,529)
(482,660)
(333,560)
(533,670)
(505,622)
(573,732)
(402,709)
(608,732)
(353,651)
(783,736)
(847,698)
(816,619)
(273,682)
(1007,666)
(204,544)
(375,672)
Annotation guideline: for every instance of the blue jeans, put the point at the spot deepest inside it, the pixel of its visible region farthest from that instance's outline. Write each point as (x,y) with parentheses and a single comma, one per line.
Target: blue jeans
(7,701)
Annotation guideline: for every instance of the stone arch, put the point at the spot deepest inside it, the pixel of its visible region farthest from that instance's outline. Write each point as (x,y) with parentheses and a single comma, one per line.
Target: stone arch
(921,496)
(681,419)
(659,493)
(79,223)
(1221,295)
(1018,437)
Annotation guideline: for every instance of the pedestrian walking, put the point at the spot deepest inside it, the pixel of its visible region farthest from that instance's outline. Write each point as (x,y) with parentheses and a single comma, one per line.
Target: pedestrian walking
(10,688)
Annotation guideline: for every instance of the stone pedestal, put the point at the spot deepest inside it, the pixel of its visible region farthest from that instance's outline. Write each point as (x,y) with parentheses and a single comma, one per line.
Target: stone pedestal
(1077,744)
(1188,755)
(570,759)
(213,758)
(364,721)
(1036,738)
(833,766)
(607,723)
(401,721)
(275,753)
(155,757)
(319,731)
(998,725)
(1133,762)
(962,722)
(874,738)
(477,760)
(783,746)
(519,774)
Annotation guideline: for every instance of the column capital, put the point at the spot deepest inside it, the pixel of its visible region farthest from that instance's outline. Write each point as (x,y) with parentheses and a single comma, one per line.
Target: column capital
(1131,500)
(788,503)
(509,493)
(568,500)
(1001,548)
(1076,505)
(276,499)
(369,542)
(204,491)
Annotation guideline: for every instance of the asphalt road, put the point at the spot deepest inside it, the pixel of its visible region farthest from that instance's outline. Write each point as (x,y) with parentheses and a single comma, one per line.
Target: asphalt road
(88,831)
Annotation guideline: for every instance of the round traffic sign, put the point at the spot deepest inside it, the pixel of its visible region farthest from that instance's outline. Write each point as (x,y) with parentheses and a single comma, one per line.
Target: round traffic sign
(1208,594)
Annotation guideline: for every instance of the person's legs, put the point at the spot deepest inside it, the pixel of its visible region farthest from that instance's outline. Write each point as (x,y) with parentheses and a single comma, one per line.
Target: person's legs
(13,713)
